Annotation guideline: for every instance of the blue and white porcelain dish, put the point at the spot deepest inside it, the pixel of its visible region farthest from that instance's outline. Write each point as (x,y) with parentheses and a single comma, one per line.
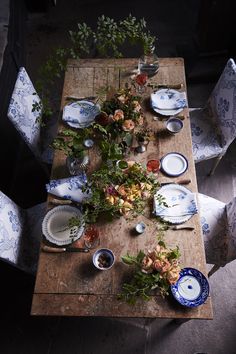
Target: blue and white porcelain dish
(174,164)
(55,225)
(191,289)
(168,102)
(80,114)
(103,259)
(181,204)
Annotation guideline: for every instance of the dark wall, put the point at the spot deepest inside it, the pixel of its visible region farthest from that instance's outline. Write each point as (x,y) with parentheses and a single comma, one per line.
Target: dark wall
(14,57)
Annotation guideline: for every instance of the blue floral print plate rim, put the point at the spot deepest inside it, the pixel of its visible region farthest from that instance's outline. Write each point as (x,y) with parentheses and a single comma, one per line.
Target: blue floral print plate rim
(55,225)
(80,114)
(192,288)
(168,102)
(181,204)
(174,164)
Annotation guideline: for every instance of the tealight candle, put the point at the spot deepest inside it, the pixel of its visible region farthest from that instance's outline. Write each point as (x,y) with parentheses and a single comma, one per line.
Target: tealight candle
(140,228)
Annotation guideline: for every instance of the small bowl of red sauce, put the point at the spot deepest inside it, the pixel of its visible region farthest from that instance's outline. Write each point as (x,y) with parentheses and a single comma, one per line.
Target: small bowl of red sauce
(103,259)
(153,165)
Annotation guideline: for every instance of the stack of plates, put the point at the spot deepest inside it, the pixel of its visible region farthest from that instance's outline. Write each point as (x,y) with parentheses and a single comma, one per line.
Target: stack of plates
(168,102)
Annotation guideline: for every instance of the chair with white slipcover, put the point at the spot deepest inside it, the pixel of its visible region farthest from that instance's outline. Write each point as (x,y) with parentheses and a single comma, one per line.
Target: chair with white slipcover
(214,126)
(218,221)
(25,112)
(20,234)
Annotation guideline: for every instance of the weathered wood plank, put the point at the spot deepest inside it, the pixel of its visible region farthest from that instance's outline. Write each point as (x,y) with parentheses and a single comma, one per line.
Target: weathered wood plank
(109,306)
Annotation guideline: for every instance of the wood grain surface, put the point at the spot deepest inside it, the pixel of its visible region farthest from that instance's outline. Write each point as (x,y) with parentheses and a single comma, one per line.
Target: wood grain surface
(68,284)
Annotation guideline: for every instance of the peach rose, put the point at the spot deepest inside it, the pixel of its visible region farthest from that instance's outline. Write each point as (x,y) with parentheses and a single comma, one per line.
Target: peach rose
(137,106)
(122,98)
(121,190)
(173,276)
(118,115)
(128,125)
(147,263)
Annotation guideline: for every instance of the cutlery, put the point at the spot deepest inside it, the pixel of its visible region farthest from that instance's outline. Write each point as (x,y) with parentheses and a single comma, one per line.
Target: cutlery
(181,227)
(158,86)
(181,181)
(64,249)
(181,117)
(60,202)
(80,98)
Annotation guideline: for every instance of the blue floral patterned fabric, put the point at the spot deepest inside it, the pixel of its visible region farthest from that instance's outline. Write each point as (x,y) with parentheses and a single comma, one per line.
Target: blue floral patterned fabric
(20,234)
(214,126)
(218,222)
(26,117)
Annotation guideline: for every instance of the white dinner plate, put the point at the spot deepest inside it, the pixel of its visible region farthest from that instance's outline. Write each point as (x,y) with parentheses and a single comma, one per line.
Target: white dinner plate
(174,164)
(55,225)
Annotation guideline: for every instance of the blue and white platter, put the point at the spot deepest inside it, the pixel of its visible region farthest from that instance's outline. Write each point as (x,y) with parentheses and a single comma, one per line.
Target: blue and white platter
(80,114)
(192,288)
(168,101)
(174,164)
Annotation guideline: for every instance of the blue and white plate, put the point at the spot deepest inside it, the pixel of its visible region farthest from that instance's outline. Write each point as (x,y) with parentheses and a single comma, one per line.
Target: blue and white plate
(55,225)
(80,114)
(168,102)
(174,164)
(181,204)
(192,288)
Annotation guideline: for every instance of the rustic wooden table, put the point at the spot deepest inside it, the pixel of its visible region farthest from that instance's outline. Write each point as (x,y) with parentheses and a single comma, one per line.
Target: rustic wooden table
(67,284)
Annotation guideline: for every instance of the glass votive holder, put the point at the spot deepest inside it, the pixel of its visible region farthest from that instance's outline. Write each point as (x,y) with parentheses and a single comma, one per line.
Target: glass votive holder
(91,237)
(140,228)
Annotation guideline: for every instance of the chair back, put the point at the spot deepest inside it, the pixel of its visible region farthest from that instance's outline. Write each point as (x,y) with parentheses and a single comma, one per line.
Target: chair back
(222,104)
(11,228)
(20,234)
(25,111)
(231,228)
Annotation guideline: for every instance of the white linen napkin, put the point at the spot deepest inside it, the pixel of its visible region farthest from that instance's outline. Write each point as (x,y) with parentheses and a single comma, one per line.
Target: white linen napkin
(177,208)
(168,99)
(69,188)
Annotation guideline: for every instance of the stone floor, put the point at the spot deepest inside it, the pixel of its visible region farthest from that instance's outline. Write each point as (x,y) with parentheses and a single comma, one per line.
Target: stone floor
(23,334)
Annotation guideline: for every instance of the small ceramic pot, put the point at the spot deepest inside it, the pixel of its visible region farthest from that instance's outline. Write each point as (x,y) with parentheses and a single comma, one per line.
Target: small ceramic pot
(103,259)
(174,125)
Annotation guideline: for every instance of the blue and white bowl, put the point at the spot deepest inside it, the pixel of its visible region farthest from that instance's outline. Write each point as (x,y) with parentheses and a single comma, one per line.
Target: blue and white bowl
(103,259)
(174,125)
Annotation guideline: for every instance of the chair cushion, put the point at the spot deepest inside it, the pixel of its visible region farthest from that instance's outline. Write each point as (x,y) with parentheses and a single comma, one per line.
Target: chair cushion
(214,229)
(231,222)
(21,111)
(11,230)
(206,142)
(222,104)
